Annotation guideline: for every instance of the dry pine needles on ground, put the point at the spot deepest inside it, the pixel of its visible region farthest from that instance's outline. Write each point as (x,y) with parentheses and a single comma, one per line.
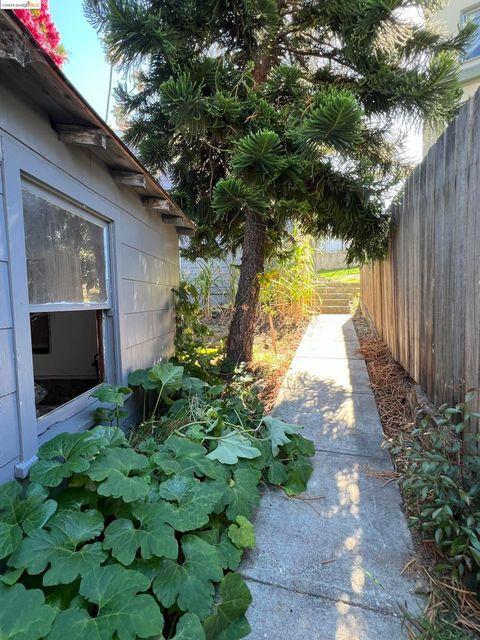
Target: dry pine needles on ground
(394,390)
(396,399)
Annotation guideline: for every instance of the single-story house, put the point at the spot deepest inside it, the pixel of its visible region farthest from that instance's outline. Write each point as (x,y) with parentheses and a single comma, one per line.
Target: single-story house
(88,254)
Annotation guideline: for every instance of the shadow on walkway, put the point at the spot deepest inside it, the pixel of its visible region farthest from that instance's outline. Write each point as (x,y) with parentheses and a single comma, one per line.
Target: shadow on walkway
(328,564)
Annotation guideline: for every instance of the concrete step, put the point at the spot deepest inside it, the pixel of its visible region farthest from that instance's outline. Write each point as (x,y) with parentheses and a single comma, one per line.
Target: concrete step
(348,290)
(331,287)
(335,303)
(337,296)
(335,309)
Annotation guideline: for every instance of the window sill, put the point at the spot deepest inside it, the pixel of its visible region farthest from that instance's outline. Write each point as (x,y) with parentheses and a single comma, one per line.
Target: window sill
(80,410)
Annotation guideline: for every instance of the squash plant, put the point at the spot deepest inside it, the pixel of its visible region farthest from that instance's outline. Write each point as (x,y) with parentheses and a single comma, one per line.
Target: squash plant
(110,542)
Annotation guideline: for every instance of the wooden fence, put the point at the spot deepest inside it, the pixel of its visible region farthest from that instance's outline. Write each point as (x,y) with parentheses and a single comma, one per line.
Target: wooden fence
(425,298)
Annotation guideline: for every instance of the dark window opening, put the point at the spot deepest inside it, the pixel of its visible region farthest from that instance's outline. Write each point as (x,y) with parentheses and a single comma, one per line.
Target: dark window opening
(68,357)
(40,328)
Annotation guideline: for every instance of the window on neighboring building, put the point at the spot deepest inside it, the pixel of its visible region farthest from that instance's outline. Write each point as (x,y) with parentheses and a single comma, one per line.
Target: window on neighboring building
(474,49)
(68,289)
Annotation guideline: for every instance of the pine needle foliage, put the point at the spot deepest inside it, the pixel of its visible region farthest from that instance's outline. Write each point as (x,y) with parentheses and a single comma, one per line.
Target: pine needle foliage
(267,112)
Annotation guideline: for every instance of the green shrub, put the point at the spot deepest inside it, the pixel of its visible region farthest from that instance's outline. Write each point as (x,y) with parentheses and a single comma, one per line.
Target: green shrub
(441,485)
(289,288)
(191,337)
(111,541)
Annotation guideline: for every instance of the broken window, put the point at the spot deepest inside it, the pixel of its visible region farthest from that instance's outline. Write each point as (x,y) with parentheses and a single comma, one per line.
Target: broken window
(67,271)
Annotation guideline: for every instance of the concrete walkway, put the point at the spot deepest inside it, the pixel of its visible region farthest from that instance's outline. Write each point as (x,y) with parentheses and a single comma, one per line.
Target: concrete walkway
(330,568)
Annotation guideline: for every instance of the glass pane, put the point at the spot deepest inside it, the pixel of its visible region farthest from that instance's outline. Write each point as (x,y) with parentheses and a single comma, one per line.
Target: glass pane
(65,254)
(473,50)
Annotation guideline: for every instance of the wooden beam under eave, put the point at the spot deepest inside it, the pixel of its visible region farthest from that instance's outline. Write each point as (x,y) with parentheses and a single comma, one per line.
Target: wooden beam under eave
(186,231)
(82,136)
(130,179)
(177,220)
(159,205)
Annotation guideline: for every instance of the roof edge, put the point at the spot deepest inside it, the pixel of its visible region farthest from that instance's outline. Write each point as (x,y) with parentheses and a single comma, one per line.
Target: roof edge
(59,78)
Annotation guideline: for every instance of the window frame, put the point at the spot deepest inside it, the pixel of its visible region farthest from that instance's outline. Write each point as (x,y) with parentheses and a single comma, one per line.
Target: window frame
(464,17)
(72,208)
(81,404)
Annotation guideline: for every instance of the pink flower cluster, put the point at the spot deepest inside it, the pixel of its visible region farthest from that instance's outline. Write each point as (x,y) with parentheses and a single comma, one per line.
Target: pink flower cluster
(40,24)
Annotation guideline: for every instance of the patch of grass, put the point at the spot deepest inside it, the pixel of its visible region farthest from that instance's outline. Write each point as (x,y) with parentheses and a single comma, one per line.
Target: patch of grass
(350,274)
(440,630)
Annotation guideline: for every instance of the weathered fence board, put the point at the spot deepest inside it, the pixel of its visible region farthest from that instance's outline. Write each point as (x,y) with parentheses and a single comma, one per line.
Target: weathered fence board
(425,298)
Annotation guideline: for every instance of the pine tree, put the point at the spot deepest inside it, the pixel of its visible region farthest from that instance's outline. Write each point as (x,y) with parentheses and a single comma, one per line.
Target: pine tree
(270,111)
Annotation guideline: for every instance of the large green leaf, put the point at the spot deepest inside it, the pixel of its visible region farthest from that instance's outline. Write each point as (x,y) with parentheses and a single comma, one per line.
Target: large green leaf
(62,548)
(34,510)
(110,436)
(189,627)
(121,608)
(274,467)
(139,378)
(24,614)
(119,472)
(190,584)
(229,622)
(64,455)
(298,475)
(11,576)
(191,501)
(153,537)
(242,533)
(240,494)
(193,386)
(181,456)
(277,432)
(167,375)
(230,556)
(112,394)
(299,444)
(233,446)
(76,498)
(10,537)
(20,515)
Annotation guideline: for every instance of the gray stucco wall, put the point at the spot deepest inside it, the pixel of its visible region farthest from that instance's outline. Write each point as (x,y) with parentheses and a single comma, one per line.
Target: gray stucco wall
(144,267)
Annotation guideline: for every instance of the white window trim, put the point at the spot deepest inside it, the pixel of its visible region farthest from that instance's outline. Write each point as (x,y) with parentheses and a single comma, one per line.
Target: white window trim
(65,203)
(77,405)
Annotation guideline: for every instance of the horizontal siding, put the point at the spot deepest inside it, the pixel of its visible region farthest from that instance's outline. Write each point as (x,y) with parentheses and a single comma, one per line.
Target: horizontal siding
(141,327)
(144,296)
(147,353)
(143,267)
(150,268)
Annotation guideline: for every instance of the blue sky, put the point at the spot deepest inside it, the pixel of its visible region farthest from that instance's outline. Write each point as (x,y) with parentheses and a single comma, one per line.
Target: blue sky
(87,67)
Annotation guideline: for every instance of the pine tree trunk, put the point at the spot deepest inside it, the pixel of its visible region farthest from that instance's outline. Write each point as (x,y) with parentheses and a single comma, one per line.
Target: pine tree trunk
(241,333)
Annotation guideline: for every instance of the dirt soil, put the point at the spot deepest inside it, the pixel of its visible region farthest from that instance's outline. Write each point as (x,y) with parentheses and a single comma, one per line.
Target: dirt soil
(270,361)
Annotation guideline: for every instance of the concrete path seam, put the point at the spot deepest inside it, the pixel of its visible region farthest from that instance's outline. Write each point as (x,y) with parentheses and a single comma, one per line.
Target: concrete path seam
(321,596)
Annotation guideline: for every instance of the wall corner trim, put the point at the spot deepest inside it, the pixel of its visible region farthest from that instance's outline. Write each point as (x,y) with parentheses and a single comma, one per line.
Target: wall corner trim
(22,469)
